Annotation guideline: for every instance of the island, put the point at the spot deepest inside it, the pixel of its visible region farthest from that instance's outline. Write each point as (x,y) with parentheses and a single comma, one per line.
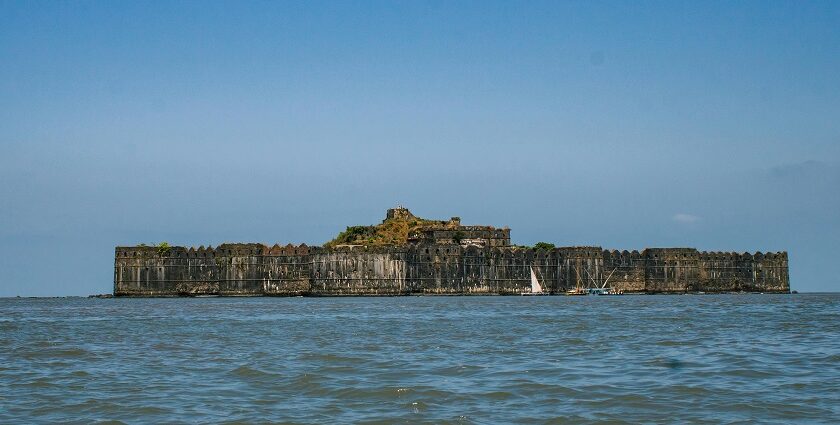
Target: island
(408,255)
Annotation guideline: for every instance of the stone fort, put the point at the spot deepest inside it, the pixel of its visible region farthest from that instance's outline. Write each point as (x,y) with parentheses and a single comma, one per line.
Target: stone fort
(406,255)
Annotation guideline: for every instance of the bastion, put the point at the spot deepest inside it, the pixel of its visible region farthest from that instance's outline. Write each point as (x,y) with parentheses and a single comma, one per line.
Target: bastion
(407,255)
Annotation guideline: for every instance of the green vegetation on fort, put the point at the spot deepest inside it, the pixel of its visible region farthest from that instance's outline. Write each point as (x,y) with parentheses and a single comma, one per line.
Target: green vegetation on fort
(392,231)
(163,248)
(458,236)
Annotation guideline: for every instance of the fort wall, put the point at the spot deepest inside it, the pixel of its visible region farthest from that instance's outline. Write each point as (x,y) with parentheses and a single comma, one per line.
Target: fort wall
(291,270)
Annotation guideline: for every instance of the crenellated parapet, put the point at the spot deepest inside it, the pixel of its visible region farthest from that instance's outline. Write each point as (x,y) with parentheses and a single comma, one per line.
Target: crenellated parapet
(257,269)
(229,269)
(732,271)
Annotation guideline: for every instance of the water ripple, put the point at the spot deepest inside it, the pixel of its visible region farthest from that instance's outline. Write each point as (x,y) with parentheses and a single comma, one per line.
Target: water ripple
(458,360)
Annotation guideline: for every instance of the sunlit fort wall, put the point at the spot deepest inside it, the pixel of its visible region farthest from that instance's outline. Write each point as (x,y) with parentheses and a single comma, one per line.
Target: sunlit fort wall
(292,270)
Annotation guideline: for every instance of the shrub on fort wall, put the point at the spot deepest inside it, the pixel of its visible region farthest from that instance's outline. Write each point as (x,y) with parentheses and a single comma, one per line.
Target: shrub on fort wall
(544,246)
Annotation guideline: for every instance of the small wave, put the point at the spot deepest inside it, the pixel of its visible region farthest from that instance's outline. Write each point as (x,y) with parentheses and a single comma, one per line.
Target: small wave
(673,343)
(330,358)
(462,370)
(307,383)
(689,391)
(498,395)
(248,372)
(748,373)
(39,383)
(418,406)
(368,393)
(674,363)
(149,410)
(72,353)
(430,393)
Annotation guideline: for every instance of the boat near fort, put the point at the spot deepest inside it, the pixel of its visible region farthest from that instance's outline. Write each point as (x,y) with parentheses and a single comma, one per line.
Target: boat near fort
(408,255)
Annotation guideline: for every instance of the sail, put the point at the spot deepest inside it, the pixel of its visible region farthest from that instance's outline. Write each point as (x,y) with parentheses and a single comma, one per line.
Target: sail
(535,284)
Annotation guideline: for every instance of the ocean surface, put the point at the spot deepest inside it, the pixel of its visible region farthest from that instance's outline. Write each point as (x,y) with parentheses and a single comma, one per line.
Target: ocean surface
(483,359)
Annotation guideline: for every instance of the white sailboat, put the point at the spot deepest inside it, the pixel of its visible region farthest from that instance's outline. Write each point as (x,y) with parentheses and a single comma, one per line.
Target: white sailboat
(536,288)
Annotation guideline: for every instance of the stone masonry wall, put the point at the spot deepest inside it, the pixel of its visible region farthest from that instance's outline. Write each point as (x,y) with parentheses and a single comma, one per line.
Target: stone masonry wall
(256,269)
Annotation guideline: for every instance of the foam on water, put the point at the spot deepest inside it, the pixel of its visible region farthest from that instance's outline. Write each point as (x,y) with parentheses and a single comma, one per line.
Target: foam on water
(700,359)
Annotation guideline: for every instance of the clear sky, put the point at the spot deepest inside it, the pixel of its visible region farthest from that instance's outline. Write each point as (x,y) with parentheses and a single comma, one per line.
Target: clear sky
(627,125)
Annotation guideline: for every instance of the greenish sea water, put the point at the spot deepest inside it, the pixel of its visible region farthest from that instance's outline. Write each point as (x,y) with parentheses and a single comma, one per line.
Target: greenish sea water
(485,360)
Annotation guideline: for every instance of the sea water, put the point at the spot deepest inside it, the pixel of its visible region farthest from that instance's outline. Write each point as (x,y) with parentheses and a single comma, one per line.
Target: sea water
(481,359)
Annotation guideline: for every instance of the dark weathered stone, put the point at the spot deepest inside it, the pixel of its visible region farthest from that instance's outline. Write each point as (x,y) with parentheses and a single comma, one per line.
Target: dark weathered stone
(483,262)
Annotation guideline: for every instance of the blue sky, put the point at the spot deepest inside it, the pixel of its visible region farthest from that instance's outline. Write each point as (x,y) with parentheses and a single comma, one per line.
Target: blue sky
(620,124)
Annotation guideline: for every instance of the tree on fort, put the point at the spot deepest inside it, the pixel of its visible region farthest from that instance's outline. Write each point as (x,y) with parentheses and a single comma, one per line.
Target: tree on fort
(163,248)
(544,246)
(351,234)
